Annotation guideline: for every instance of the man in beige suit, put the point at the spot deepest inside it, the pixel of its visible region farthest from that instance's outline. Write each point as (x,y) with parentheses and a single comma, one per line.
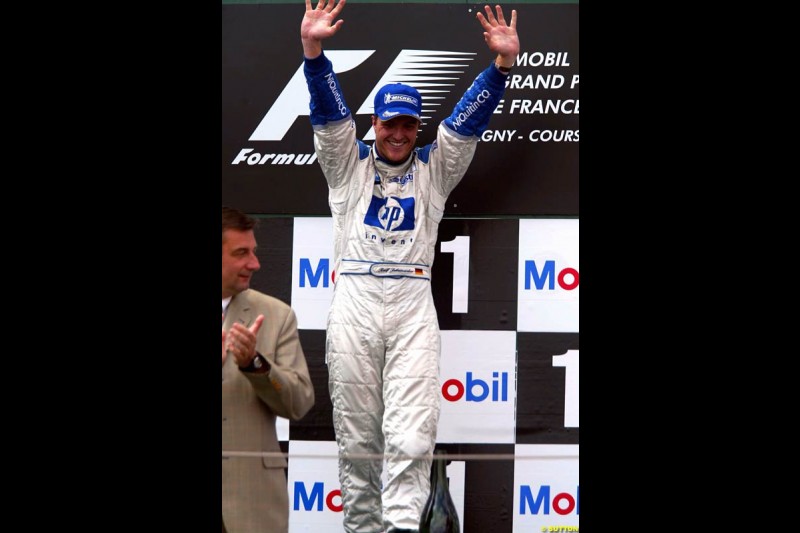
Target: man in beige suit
(264,375)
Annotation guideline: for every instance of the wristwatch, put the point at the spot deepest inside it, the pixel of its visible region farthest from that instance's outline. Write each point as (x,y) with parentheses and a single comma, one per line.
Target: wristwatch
(258,364)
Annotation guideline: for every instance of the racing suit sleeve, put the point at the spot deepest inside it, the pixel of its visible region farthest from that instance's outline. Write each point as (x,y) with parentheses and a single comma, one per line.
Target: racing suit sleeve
(458,134)
(335,139)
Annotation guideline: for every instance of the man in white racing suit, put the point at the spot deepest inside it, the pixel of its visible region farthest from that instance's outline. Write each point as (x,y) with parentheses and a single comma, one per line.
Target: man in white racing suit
(383,340)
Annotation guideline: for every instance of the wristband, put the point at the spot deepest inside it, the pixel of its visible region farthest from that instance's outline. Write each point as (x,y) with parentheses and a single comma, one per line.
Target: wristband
(504,70)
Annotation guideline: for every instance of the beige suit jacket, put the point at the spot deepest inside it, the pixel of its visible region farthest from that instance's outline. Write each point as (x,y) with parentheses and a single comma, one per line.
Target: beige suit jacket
(254,491)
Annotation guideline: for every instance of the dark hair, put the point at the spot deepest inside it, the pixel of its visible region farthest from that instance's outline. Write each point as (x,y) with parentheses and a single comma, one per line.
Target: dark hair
(235,219)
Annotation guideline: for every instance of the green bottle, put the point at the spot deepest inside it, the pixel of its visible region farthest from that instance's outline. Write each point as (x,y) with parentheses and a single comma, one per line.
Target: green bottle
(439,514)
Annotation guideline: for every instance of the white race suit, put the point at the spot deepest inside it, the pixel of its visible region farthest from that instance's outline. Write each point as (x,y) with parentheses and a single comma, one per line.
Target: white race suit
(383,342)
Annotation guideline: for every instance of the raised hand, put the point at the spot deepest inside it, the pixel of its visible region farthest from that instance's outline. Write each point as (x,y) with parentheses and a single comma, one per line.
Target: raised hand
(318,23)
(501,38)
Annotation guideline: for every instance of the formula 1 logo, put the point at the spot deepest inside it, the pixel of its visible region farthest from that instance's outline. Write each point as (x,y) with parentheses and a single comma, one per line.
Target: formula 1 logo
(432,72)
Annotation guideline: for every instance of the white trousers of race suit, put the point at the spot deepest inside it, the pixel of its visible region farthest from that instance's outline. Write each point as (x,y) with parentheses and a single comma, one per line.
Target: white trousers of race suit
(382,349)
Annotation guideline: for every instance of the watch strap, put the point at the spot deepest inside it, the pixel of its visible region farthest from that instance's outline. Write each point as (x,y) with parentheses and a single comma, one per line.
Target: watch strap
(258,365)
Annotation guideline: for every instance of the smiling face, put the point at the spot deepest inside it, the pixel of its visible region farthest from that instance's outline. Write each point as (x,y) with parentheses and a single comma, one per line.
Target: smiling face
(395,138)
(239,261)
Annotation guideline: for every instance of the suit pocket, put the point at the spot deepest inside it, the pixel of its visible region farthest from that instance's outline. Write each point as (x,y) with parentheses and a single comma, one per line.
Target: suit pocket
(269,444)
(274,462)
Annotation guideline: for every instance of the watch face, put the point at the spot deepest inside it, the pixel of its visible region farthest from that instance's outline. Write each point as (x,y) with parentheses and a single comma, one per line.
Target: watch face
(257,362)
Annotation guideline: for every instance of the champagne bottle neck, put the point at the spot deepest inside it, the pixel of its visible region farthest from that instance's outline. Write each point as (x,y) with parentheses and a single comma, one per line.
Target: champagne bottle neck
(441,473)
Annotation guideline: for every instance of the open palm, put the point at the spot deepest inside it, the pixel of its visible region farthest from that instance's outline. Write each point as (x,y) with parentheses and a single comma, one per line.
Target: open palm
(318,23)
(500,37)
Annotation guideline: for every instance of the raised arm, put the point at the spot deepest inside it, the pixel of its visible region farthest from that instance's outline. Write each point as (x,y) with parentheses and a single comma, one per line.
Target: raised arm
(500,37)
(318,24)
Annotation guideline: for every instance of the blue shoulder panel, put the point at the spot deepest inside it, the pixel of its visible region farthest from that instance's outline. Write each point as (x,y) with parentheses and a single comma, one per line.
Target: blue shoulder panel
(363,150)
(424,153)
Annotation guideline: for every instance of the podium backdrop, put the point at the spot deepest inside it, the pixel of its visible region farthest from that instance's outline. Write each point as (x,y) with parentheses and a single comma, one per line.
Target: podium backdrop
(506,273)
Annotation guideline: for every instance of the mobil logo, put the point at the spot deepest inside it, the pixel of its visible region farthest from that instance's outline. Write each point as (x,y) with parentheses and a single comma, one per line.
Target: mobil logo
(474,389)
(544,275)
(312,270)
(312,274)
(542,500)
(312,500)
